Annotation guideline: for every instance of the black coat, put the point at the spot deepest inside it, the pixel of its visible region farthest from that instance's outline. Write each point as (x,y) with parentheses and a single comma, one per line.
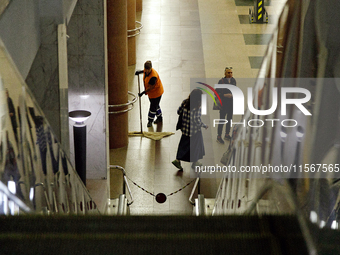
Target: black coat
(226,102)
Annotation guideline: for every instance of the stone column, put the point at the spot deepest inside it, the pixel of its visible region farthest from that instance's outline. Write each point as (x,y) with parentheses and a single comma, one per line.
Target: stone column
(117,71)
(139,5)
(131,10)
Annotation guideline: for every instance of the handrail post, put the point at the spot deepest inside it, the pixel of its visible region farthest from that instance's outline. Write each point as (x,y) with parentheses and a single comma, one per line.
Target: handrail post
(124,185)
(259,13)
(125,182)
(200,207)
(121,205)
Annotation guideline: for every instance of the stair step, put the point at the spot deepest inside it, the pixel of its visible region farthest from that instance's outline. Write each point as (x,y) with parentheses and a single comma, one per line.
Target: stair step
(151,235)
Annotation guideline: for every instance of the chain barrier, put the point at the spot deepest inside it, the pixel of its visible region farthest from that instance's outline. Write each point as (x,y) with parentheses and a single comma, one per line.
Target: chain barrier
(140,187)
(173,193)
(152,194)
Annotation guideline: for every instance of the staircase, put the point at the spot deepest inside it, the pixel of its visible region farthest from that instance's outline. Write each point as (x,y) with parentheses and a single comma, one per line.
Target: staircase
(151,235)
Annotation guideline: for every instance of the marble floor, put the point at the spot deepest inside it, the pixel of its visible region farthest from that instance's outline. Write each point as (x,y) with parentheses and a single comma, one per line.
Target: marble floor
(185,39)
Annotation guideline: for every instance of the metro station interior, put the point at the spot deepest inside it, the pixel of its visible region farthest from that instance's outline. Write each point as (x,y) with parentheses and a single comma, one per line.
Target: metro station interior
(84,173)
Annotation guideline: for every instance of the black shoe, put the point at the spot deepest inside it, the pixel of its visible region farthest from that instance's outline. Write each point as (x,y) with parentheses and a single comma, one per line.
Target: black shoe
(177,164)
(219,139)
(149,124)
(158,120)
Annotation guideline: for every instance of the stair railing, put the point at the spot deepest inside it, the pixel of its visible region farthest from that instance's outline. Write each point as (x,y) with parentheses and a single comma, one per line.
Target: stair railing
(197,184)
(125,183)
(30,155)
(200,206)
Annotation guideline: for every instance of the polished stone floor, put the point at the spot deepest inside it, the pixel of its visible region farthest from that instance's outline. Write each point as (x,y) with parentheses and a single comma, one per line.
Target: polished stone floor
(184,39)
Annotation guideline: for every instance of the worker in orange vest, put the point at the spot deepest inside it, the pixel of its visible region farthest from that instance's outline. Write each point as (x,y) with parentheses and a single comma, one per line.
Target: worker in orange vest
(154,89)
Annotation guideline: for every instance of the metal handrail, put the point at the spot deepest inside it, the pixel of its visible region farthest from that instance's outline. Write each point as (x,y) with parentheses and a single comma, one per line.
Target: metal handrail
(121,205)
(125,182)
(23,206)
(193,191)
(129,103)
(128,187)
(136,29)
(200,207)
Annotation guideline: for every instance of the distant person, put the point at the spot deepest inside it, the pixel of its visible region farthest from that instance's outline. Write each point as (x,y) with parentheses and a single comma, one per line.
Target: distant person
(191,146)
(12,115)
(154,89)
(227,104)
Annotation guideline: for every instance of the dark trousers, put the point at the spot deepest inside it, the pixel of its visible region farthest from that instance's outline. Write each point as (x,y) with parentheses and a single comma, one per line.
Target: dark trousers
(223,113)
(155,109)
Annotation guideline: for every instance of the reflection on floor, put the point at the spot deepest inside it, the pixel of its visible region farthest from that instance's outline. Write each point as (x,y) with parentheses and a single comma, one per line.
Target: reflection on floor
(184,39)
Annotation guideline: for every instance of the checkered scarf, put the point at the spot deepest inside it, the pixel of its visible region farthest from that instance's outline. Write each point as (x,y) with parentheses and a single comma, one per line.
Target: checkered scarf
(191,120)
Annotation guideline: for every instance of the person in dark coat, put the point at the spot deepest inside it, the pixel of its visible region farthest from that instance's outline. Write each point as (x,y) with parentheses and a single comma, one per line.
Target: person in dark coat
(226,112)
(191,146)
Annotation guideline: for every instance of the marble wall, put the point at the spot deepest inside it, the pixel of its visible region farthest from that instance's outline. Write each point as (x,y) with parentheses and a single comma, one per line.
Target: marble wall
(20,32)
(43,79)
(86,67)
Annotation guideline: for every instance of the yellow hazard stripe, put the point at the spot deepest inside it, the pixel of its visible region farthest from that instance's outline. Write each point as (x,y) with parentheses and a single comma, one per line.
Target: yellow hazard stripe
(259,10)
(259,4)
(259,17)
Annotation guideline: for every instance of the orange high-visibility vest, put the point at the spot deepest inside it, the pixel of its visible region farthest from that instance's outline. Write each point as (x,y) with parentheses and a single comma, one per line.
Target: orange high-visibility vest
(158,90)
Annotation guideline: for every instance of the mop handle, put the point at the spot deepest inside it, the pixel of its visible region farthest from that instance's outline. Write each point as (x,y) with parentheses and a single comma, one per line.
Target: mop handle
(140,106)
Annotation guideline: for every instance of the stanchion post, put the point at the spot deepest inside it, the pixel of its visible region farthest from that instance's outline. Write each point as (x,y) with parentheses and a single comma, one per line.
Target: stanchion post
(258,14)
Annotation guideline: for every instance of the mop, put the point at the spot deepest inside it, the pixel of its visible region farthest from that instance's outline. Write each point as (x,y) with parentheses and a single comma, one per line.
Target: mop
(151,135)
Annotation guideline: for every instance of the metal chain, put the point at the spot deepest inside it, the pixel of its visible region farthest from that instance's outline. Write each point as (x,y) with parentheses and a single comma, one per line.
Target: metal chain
(173,193)
(140,187)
